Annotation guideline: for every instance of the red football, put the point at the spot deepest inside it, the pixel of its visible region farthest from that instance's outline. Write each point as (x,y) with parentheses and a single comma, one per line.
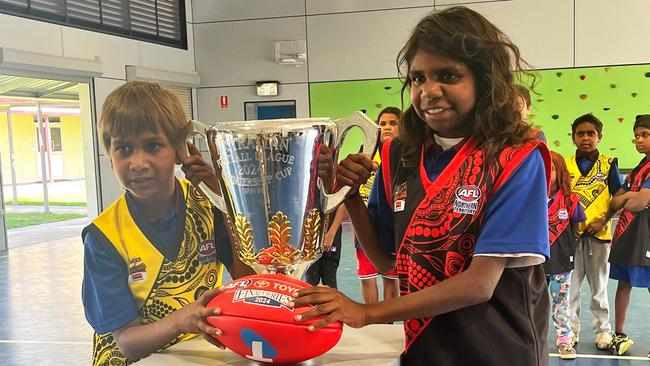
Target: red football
(258,324)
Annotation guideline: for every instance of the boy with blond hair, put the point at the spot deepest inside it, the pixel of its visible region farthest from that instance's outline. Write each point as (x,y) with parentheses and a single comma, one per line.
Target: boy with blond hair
(154,258)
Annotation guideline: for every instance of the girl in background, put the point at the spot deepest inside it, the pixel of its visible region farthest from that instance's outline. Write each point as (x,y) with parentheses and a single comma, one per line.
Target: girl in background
(564,214)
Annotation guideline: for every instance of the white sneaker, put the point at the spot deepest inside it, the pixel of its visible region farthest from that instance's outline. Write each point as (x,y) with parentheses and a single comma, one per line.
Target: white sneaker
(566,352)
(603,340)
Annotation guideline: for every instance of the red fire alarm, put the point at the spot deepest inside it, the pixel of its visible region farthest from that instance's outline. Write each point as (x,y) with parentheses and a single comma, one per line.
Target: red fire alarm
(223,101)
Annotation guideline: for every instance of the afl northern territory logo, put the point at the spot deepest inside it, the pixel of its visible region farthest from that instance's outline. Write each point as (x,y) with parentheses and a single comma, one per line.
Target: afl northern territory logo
(467,199)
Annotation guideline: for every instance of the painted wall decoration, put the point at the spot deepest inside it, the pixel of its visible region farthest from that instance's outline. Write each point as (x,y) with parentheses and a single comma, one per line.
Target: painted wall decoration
(613,94)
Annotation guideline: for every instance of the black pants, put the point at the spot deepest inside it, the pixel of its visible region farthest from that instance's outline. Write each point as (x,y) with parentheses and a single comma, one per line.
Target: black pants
(324,269)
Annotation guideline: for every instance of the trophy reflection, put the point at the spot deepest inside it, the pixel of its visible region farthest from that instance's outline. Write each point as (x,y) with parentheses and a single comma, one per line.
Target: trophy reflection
(276,179)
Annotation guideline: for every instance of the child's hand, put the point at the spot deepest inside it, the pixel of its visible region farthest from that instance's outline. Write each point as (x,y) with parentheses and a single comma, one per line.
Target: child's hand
(355,170)
(326,167)
(198,170)
(635,205)
(331,303)
(328,240)
(191,319)
(595,227)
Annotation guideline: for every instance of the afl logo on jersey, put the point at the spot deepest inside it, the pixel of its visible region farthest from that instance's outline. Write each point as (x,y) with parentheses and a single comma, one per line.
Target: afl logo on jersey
(207,252)
(563,214)
(467,199)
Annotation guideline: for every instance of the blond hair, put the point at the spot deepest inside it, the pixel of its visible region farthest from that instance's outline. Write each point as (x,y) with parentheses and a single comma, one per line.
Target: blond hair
(139,107)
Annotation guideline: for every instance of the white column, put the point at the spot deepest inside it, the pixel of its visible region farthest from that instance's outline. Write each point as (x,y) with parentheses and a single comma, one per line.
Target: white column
(43,142)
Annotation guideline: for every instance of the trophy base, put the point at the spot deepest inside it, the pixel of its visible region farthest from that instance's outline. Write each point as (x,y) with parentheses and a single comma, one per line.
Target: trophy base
(258,324)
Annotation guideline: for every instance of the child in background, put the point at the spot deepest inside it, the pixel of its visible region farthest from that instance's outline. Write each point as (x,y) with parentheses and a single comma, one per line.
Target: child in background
(630,254)
(324,269)
(525,105)
(595,179)
(388,122)
(153,258)
(564,214)
(473,289)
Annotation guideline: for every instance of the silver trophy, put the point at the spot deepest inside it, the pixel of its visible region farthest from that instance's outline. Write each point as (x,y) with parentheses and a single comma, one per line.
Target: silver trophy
(275,201)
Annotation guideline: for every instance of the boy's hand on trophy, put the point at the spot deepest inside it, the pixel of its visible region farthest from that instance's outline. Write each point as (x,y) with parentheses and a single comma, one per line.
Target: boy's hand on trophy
(355,170)
(198,170)
(326,167)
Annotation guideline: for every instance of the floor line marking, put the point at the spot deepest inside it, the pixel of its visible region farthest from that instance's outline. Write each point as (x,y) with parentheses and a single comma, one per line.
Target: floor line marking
(43,342)
(611,357)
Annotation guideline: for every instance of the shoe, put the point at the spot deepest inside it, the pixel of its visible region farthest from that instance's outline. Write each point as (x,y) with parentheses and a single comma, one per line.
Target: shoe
(566,352)
(575,340)
(621,344)
(603,340)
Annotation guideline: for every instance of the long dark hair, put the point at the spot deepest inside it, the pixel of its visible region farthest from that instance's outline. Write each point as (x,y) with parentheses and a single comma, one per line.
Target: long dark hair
(467,37)
(561,173)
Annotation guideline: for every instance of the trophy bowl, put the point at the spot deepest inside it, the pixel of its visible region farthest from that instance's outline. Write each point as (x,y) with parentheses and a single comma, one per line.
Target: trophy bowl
(276,179)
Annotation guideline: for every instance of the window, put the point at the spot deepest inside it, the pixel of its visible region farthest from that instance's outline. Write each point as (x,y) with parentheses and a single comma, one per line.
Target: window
(55,140)
(158,21)
(269,110)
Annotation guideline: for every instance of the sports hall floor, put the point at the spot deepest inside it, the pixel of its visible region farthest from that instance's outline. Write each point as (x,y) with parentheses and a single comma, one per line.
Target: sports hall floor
(42,322)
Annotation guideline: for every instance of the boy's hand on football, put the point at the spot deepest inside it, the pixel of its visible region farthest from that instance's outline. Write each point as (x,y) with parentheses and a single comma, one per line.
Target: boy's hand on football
(198,170)
(192,318)
(331,304)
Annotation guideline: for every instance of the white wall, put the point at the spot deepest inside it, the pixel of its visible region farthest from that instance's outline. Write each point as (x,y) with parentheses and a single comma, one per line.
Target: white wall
(231,45)
(115,53)
(359,39)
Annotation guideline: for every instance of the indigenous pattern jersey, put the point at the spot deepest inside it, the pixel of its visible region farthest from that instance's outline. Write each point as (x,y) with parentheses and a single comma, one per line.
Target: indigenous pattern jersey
(437,230)
(561,237)
(631,242)
(593,191)
(159,285)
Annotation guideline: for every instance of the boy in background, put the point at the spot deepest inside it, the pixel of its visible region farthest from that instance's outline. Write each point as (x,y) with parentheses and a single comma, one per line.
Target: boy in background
(630,254)
(594,178)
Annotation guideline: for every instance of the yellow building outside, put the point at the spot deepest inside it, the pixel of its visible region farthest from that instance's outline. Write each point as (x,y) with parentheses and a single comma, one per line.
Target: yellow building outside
(65,140)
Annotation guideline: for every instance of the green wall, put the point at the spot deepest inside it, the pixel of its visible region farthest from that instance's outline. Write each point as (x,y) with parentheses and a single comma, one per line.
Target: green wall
(613,94)
(342,98)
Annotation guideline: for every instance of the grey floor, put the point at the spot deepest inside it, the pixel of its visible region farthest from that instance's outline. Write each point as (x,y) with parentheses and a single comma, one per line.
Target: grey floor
(42,322)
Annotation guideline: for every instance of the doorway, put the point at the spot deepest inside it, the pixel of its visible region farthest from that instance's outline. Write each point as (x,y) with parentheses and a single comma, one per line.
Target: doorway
(46,154)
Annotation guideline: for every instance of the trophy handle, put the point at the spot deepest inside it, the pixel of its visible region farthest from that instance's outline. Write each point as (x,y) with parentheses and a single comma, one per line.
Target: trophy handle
(358,119)
(201,129)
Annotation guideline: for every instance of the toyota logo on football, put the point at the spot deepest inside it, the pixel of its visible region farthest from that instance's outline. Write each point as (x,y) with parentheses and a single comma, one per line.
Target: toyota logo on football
(262,284)
(468,193)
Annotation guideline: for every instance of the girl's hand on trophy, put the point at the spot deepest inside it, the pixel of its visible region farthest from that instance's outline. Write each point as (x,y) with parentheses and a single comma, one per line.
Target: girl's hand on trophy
(355,170)
(192,318)
(332,305)
(198,170)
